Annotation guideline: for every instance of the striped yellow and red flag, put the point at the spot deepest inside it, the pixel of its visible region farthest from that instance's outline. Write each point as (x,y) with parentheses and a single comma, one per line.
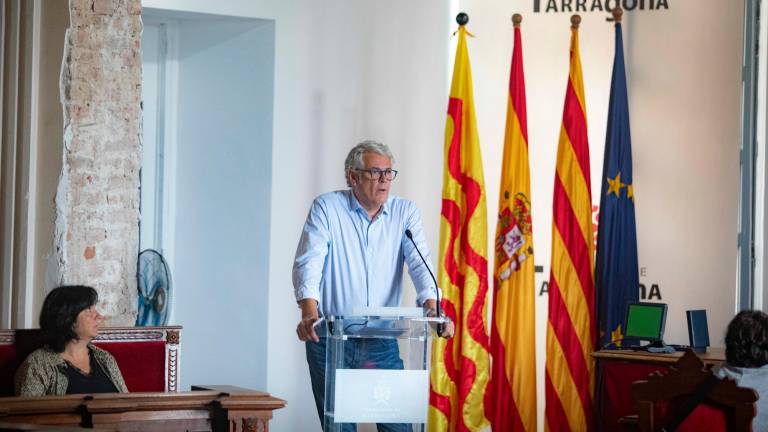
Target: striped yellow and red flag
(513,332)
(460,366)
(571,331)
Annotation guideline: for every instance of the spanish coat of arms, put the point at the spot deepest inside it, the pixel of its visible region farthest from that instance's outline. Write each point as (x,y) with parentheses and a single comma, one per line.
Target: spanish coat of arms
(513,238)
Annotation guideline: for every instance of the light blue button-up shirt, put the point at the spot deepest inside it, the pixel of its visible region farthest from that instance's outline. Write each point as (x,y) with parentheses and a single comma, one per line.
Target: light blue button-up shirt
(344,260)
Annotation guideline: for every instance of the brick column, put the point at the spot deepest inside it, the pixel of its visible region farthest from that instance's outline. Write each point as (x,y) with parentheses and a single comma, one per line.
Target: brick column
(97,202)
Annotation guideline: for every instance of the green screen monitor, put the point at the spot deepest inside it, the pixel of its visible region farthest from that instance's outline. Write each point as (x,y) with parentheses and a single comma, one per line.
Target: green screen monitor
(645,321)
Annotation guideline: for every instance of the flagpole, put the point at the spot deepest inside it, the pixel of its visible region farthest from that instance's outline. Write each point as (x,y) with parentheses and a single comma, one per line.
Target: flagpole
(516,20)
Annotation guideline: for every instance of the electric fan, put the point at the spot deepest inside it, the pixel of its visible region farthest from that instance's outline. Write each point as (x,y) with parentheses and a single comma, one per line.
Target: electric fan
(154,284)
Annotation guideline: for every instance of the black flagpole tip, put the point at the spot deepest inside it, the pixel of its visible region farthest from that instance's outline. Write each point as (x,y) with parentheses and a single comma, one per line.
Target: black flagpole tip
(462,19)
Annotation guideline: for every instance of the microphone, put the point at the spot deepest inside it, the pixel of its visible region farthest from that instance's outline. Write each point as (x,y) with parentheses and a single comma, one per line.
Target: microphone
(409,234)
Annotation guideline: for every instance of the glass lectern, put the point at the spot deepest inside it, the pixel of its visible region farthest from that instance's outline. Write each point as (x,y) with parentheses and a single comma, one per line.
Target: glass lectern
(377,371)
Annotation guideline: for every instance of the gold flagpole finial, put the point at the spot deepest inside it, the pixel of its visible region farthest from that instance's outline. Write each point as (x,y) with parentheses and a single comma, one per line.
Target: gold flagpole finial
(517,19)
(575,21)
(616,13)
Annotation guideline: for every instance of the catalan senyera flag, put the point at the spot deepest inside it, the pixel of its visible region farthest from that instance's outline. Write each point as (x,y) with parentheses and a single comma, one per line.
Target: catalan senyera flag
(460,365)
(571,329)
(616,272)
(513,332)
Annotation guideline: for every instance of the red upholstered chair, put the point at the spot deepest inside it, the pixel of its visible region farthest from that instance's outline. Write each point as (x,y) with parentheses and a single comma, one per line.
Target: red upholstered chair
(724,406)
(148,357)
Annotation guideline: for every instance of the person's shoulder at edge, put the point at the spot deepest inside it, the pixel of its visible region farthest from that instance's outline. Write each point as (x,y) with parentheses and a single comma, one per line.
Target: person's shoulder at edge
(39,364)
(724,370)
(42,356)
(740,374)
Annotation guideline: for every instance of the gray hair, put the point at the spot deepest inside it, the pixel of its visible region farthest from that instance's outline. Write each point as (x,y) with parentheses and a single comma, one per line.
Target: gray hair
(355,157)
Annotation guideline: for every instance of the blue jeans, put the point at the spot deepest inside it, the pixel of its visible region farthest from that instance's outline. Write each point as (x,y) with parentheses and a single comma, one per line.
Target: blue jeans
(358,354)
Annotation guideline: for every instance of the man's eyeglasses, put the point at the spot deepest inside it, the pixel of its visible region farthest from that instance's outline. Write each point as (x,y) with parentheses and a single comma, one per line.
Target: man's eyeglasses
(377,174)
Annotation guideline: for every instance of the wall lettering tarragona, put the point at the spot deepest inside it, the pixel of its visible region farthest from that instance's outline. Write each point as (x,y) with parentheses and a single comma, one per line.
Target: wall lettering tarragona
(573,6)
(645,293)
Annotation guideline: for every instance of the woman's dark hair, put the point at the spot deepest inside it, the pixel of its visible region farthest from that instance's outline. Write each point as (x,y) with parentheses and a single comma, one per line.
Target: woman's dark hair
(59,313)
(746,341)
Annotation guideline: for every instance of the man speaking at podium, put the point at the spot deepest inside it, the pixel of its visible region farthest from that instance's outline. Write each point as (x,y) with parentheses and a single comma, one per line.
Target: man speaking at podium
(351,255)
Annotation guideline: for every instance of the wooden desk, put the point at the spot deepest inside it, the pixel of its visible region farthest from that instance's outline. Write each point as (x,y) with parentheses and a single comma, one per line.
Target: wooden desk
(210,410)
(618,369)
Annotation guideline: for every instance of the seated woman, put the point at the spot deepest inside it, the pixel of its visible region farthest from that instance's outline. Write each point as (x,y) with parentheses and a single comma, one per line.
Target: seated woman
(69,363)
(746,356)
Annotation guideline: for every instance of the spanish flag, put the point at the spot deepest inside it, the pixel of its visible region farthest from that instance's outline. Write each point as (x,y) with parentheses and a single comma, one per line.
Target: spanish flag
(513,333)
(460,366)
(571,330)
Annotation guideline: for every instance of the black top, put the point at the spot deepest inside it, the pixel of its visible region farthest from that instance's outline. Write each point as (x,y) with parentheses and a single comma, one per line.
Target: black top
(95,382)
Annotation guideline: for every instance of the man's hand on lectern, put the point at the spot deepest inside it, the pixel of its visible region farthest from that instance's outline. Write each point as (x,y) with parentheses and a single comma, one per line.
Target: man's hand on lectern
(306,329)
(430,310)
(448,329)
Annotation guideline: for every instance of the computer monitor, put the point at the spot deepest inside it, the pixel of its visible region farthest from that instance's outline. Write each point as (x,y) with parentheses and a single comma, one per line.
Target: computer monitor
(645,321)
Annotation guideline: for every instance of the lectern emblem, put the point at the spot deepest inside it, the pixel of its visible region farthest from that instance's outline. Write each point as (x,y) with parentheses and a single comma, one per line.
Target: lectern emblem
(382,392)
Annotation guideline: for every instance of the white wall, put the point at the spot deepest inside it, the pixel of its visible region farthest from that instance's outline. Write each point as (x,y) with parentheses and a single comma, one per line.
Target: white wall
(344,71)
(379,72)
(221,71)
(685,90)
(151,86)
(223,196)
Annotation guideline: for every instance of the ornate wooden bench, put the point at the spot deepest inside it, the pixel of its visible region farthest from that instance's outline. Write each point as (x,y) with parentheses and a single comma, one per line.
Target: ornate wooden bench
(149,360)
(148,356)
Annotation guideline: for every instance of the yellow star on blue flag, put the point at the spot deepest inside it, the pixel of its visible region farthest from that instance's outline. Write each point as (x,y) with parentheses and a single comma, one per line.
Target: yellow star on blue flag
(617,336)
(615,185)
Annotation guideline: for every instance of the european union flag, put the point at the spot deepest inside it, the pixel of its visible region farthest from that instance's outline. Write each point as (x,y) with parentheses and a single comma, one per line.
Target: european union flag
(616,272)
